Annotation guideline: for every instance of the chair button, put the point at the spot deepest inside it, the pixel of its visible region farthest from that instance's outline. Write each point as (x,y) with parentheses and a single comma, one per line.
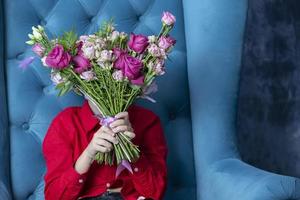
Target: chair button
(136,169)
(107,185)
(80,180)
(25,126)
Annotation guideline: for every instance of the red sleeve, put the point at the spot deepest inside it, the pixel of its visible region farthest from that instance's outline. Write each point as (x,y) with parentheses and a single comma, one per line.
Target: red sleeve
(61,179)
(150,171)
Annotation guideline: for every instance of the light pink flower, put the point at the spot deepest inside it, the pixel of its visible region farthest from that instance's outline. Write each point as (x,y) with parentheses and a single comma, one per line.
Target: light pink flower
(88,75)
(38,49)
(154,50)
(118,75)
(114,35)
(168,18)
(89,51)
(106,55)
(44,61)
(56,78)
(83,38)
(151,38)
(158,68)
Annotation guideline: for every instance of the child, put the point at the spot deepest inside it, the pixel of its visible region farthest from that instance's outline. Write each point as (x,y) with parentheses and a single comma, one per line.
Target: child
(75,136)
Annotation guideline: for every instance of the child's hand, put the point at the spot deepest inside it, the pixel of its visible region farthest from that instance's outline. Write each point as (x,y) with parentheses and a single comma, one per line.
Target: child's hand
(102,141)
(123,124)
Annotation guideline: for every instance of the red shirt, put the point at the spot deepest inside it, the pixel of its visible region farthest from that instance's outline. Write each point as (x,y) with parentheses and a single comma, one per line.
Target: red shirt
(69,134)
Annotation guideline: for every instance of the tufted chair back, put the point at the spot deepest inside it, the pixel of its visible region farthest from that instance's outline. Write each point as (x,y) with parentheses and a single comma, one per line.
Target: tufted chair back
(28,100)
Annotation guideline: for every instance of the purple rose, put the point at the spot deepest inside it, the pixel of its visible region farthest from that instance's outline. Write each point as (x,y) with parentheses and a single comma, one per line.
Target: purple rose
(58,58)
(168,18)
(81,63)
(130,66)
(38,49)
(138,43)
(166,42)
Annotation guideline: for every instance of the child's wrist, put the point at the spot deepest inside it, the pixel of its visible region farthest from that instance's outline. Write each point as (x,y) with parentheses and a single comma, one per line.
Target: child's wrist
(89,154)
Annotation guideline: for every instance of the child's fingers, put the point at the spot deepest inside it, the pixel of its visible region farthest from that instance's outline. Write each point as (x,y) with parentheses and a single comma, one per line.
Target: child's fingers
(121,128)
(109,138)
(104,143)
(106,130)
(129,134)
(123,115)
(117,123)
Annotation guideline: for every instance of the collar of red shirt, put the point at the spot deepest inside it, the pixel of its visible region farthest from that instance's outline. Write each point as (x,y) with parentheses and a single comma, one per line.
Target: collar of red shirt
(89,120)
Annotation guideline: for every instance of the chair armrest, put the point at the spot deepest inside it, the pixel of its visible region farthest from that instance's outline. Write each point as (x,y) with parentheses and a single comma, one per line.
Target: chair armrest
(235,180)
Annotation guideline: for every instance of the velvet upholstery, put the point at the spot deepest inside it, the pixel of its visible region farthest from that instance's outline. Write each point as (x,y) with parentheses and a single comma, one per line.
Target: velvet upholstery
(269,107)
(4,138)
(214,33)
(32,101)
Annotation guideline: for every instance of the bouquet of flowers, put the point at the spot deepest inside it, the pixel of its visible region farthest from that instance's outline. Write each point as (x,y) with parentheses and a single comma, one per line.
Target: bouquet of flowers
(110,68)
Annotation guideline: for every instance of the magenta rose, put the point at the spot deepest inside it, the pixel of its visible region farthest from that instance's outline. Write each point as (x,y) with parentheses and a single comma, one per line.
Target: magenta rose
(130,66)
(81,63)
(168,18)
(138,43)
(58,58)
(38,49)
(166,42)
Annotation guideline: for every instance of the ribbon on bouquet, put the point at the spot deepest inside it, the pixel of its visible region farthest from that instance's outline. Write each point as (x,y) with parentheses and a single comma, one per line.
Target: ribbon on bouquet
(123,165)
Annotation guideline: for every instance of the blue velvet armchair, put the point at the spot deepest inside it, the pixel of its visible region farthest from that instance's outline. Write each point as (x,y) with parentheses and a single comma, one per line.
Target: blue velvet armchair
(198,114)
(214,46)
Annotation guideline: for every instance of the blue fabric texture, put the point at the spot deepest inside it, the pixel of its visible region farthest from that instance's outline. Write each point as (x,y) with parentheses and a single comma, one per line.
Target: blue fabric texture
(214,32)
(269,110)
(32,101)
(4,137)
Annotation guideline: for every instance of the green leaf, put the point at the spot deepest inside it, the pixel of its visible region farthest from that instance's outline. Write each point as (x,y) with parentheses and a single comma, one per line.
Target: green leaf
(135,87)
(65,89)
(60,86)
(68,40)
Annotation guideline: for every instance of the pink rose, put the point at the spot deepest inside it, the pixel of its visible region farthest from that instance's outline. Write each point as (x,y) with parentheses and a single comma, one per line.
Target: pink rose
(138,43)
(130,66)
(38,49)
(58,58)
(81,63)
(166,42)
(168,18)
